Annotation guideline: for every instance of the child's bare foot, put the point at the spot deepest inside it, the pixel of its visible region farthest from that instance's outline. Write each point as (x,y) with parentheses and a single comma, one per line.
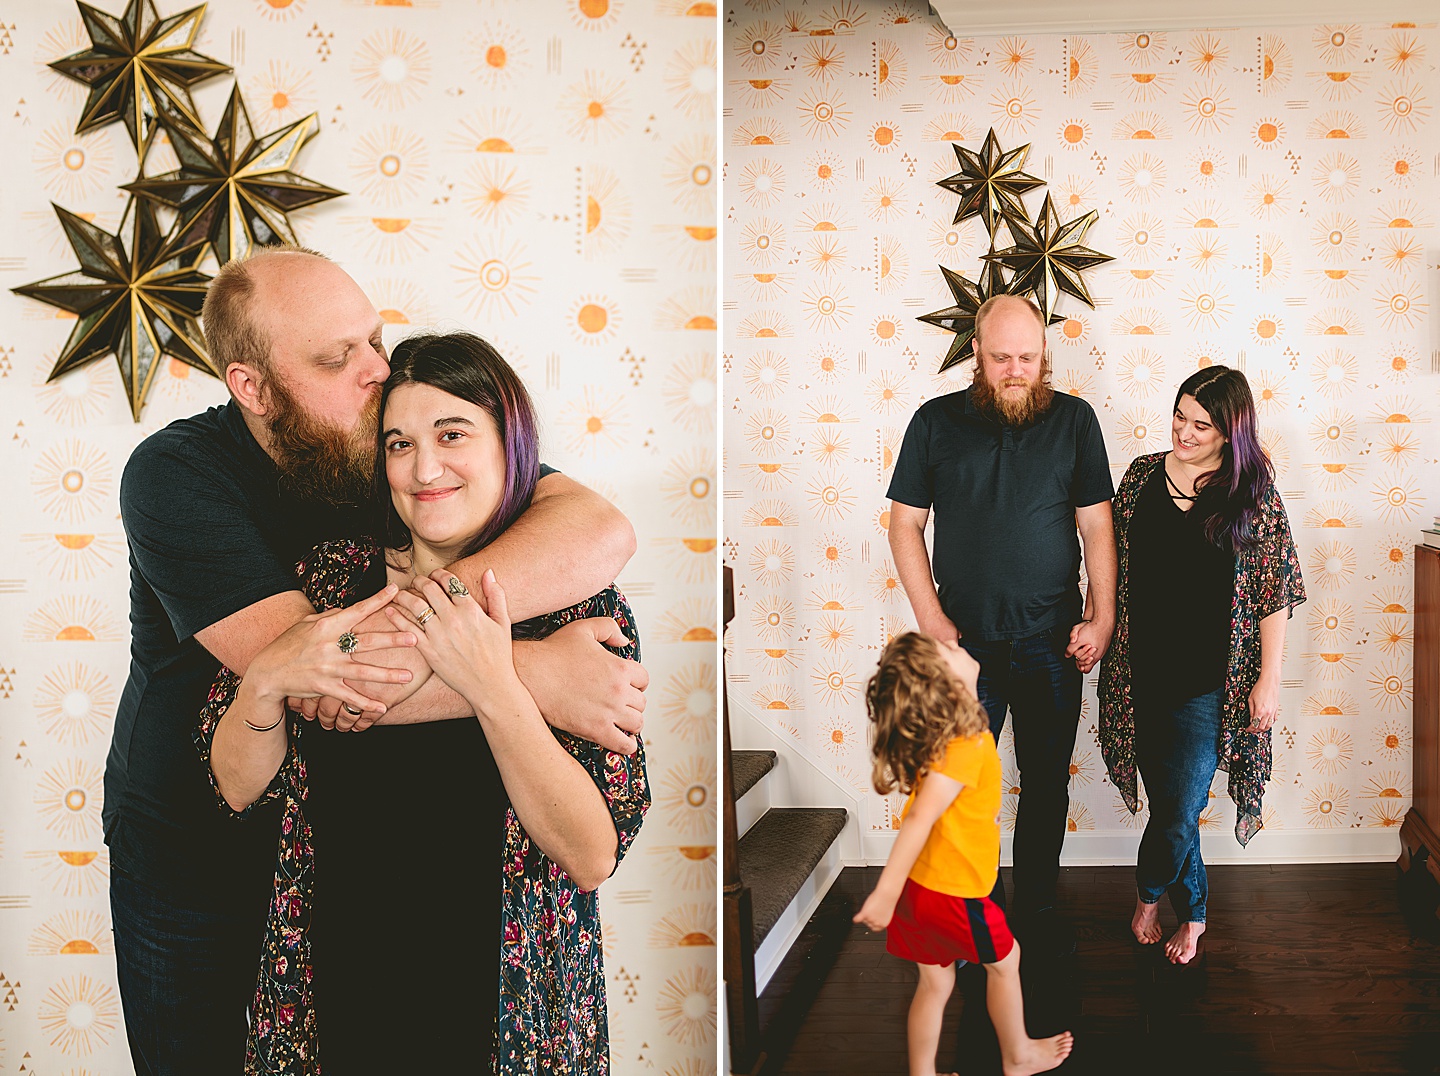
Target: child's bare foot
(1040,1055)
(1180,949)
(1146,924)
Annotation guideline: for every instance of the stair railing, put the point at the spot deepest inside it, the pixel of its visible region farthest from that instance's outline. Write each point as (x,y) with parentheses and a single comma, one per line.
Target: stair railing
(741,1005)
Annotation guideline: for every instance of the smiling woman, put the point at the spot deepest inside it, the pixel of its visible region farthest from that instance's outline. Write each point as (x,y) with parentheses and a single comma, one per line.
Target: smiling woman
(544,814)
(445,457)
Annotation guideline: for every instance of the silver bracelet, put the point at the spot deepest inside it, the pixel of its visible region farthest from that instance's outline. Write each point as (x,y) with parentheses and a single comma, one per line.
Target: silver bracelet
(266,728)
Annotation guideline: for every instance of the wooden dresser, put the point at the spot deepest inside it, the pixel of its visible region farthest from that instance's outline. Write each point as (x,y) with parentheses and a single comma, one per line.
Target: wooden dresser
(1420,833)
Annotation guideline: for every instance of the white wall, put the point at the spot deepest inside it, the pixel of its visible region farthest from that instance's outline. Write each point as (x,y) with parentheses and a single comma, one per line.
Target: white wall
(1269,199)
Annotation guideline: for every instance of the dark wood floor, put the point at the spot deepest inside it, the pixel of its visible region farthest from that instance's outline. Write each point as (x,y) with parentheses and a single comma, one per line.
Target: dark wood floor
(1309,968)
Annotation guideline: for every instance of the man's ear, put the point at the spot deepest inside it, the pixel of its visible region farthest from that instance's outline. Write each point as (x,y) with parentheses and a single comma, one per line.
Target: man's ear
(248,388)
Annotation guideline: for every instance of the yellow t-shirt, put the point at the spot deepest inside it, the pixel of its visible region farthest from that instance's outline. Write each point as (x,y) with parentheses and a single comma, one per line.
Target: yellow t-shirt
(962,855)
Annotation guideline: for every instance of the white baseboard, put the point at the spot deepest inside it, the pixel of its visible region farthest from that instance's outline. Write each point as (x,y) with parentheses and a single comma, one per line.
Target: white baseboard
(792,921)
(1116,848)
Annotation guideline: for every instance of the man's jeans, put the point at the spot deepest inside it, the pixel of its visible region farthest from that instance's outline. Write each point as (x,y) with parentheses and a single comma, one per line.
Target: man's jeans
(1034,680)
(1177,747)
(186,979)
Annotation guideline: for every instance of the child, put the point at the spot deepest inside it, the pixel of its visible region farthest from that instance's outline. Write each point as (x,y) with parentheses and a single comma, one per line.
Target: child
(933,741)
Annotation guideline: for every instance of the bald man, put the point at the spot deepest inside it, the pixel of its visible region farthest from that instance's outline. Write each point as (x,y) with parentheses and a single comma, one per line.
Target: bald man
(1011,469)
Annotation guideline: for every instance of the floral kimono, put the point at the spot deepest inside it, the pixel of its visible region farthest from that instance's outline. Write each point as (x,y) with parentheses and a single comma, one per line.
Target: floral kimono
(551,1015)
(1267,579)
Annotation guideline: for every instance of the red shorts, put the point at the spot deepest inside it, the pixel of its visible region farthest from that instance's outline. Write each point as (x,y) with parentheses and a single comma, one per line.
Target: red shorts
(936,928)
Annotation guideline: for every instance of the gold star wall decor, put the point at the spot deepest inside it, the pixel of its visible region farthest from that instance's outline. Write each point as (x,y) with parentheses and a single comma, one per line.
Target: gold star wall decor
(960,318)
(1044,259)
(138,293)
(990,184)
(1048,258)
(235,190)
(139,68)
(132,300)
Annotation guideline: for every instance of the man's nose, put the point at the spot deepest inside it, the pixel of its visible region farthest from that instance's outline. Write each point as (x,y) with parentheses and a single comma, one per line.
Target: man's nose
(376,369)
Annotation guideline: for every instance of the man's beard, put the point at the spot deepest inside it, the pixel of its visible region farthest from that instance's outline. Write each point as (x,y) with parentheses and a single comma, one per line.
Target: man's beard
(318,461)
(1010,409)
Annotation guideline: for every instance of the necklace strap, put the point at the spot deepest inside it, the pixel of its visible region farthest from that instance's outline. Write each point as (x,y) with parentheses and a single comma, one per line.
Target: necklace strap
(1179,494)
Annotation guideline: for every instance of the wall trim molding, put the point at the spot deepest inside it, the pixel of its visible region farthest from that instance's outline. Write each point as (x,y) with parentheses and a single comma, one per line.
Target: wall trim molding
(1116,848)
(972,18)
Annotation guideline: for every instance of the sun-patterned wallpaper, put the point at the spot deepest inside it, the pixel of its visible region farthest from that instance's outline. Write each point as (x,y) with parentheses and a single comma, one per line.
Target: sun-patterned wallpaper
(1269,198)
(543,173)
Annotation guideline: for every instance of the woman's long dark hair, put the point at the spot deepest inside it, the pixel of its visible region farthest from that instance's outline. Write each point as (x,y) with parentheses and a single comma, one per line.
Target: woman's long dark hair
(466,366)
(1228,498)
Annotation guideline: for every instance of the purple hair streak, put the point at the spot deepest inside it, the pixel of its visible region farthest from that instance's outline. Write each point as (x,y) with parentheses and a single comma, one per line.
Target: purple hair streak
(1229,496)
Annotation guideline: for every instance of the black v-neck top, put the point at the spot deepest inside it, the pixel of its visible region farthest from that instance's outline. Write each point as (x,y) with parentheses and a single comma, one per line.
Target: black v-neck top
(1181,587)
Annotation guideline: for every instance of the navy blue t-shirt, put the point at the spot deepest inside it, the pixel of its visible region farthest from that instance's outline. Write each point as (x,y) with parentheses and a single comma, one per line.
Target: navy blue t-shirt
(1006,555)
(210,533)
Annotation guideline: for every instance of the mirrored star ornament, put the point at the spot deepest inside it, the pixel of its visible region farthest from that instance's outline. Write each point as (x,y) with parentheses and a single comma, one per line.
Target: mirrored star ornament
(234,190)
(960,318)
(990,184)
(1048,257)
(131,299)
(139,68)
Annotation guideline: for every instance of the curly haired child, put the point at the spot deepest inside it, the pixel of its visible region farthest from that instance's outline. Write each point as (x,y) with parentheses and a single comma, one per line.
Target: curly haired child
(932,740)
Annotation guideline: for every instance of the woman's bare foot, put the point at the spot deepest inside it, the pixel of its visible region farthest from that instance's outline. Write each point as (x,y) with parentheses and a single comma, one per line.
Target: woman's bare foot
(1180,949)
(1146,924)
(1040,1055)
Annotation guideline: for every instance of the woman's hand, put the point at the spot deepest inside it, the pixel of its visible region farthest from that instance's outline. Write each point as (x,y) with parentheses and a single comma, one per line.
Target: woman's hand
(1089,640)
(1264,705)
(306,661)
(466,643)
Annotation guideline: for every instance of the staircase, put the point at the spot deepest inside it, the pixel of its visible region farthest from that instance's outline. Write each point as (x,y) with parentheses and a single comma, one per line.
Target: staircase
(779,863)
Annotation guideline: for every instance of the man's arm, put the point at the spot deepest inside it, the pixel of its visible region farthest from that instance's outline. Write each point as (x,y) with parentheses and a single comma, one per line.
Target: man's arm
(568,545)
(1091,637)
(236,640)
(578,685)
(907,543)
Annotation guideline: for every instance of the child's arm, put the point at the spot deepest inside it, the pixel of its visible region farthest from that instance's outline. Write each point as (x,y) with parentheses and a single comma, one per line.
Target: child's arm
(937,792)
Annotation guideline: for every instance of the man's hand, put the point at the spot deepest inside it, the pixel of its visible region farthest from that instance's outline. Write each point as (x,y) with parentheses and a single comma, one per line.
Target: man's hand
(305,662)
(331,713)
(939,627)
(1089,640)
(583,688)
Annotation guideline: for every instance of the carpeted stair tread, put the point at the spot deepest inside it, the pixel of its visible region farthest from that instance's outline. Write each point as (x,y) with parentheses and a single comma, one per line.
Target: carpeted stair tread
(748,767)
(779,852)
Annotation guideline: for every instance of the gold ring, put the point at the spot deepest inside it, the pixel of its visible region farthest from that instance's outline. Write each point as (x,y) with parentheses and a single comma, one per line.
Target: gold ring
(457,588)
(424,618)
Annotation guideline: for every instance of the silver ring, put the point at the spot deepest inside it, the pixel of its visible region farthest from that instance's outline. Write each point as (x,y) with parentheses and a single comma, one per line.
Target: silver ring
(424,618)
(351,710)
(348,643)
(457,587)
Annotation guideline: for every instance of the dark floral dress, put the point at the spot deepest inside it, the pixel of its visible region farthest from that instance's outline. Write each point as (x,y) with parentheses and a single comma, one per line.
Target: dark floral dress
(552,1014)
(1267,579)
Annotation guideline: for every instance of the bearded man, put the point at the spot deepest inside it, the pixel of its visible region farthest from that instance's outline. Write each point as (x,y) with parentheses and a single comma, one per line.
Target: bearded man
(218,508)
(1011,468)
